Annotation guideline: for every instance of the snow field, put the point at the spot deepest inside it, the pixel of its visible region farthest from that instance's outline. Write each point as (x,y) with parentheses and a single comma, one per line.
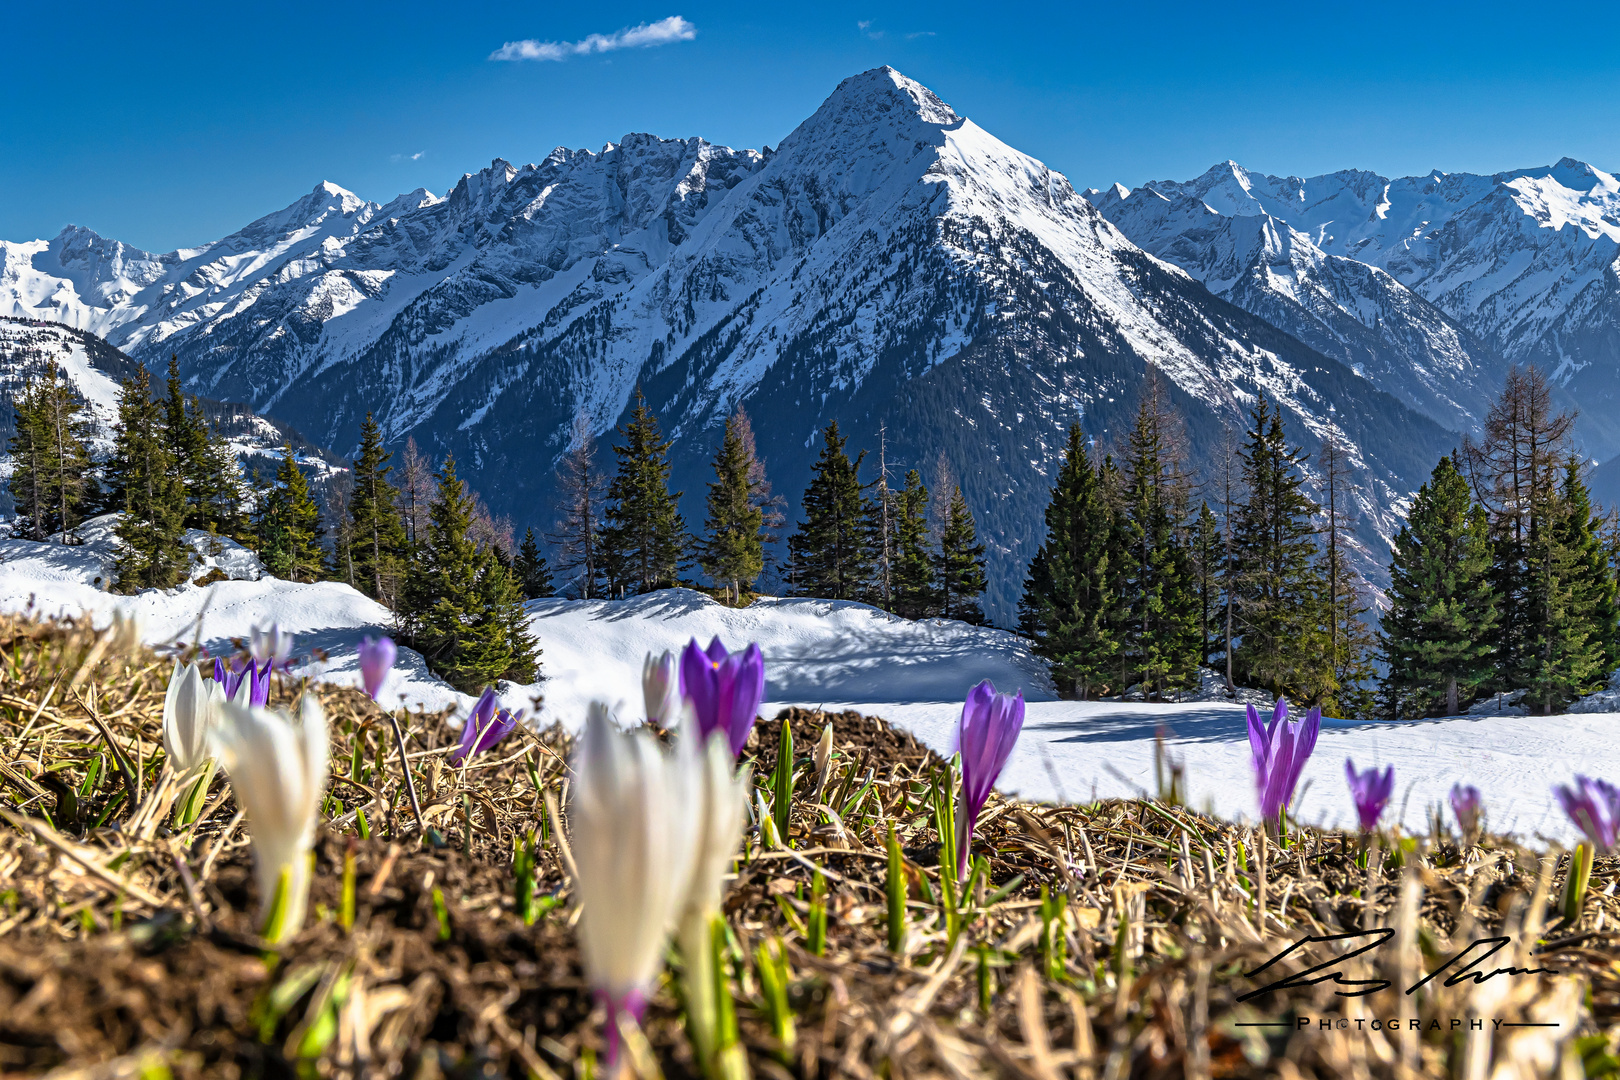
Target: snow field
(838,655)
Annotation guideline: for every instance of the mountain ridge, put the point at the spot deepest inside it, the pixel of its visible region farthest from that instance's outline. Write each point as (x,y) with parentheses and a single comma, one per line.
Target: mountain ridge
(889,264)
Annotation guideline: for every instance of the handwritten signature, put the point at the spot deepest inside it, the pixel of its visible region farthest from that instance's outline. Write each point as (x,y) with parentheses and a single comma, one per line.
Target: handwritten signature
(1326,970)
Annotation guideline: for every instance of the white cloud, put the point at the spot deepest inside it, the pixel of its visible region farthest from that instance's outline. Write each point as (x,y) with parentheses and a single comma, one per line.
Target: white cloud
(913,36)
(407,157)
(663,32)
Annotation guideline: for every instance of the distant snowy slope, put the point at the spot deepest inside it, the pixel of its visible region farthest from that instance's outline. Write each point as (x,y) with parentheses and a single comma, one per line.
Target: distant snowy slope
(96,371)
(1523,262)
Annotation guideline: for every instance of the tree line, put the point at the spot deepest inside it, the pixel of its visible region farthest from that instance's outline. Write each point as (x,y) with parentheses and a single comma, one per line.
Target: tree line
(1503,578)
(421,542)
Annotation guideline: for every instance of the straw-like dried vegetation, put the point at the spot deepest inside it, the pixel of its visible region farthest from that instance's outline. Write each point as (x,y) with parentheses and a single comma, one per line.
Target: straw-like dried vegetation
(127,949)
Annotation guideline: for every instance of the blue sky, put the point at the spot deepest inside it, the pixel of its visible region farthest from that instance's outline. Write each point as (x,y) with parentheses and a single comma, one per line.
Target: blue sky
(170,124)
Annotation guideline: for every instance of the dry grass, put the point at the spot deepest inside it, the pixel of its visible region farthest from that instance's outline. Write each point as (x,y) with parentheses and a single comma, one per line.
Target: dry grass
(128,950)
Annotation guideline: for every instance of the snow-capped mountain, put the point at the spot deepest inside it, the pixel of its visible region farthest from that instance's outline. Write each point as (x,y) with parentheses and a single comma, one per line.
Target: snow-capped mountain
(890,265)
(1517,267)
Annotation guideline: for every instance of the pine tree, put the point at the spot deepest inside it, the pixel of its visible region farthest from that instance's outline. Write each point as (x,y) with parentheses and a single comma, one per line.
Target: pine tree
(152,552)
(30,497)
(1350,641)
(460,608)
(1279,588)
(579,532)
(377,541)
(829,555)
(203,462)
(645,541)
(733,555)
(879,526)
(1159,638)
(51,479)
(911,576)
(1066,606)
(290,530)
(1207,557)
(962,578)
(1437,636)
(1573,577)
(530,569)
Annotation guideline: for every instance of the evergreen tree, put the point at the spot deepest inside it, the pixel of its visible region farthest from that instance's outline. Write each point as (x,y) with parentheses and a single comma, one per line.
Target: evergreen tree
(290,529)
(460,608)
(733,555)
(202,462)
(911,575)
(1279,589)
(1350,641)
(829,555)
(30,498)
(376,534)
(1067,606)
(530,569)
(1207,558)
(51,478)
(644,542)
(961,564)
(152,552)
(1159,638)
(1437,635)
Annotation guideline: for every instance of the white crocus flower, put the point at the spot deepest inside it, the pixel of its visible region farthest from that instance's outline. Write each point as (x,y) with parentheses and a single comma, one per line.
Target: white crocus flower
(721,802)
(277,767)
(274,644)
(190,713)
(661,686)
(632,815)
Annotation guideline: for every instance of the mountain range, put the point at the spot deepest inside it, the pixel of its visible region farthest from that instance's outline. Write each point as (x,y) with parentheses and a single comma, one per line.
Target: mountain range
(890,265)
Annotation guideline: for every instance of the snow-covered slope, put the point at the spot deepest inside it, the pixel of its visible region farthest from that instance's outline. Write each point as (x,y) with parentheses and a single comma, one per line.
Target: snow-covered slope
(842,655)
(889,265)
(1523,262)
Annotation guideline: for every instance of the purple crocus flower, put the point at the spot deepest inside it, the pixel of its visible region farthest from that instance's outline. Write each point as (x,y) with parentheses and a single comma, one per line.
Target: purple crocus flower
(724,689)
(985,737)
(1594,807)
(1371,792)
(1466,804)
(487,725)
(1280,751)
(376,661)
(230,678)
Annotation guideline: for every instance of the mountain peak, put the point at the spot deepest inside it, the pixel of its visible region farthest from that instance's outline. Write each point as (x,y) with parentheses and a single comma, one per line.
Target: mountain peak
(879,92)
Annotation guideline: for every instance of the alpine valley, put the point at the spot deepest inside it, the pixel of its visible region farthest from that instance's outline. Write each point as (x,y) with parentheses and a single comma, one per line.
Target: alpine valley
(892,266)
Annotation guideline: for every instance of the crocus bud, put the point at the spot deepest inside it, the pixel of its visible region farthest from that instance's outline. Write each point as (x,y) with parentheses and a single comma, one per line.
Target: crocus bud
(277,766)
(1467,804)
(1371,791)
(661,688)
(724,689)
(270,647)
(1594,807)
(376,661)
(189,715)
(486,725)
(985,735)
(632,812)
(1280,751)
(248,686)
